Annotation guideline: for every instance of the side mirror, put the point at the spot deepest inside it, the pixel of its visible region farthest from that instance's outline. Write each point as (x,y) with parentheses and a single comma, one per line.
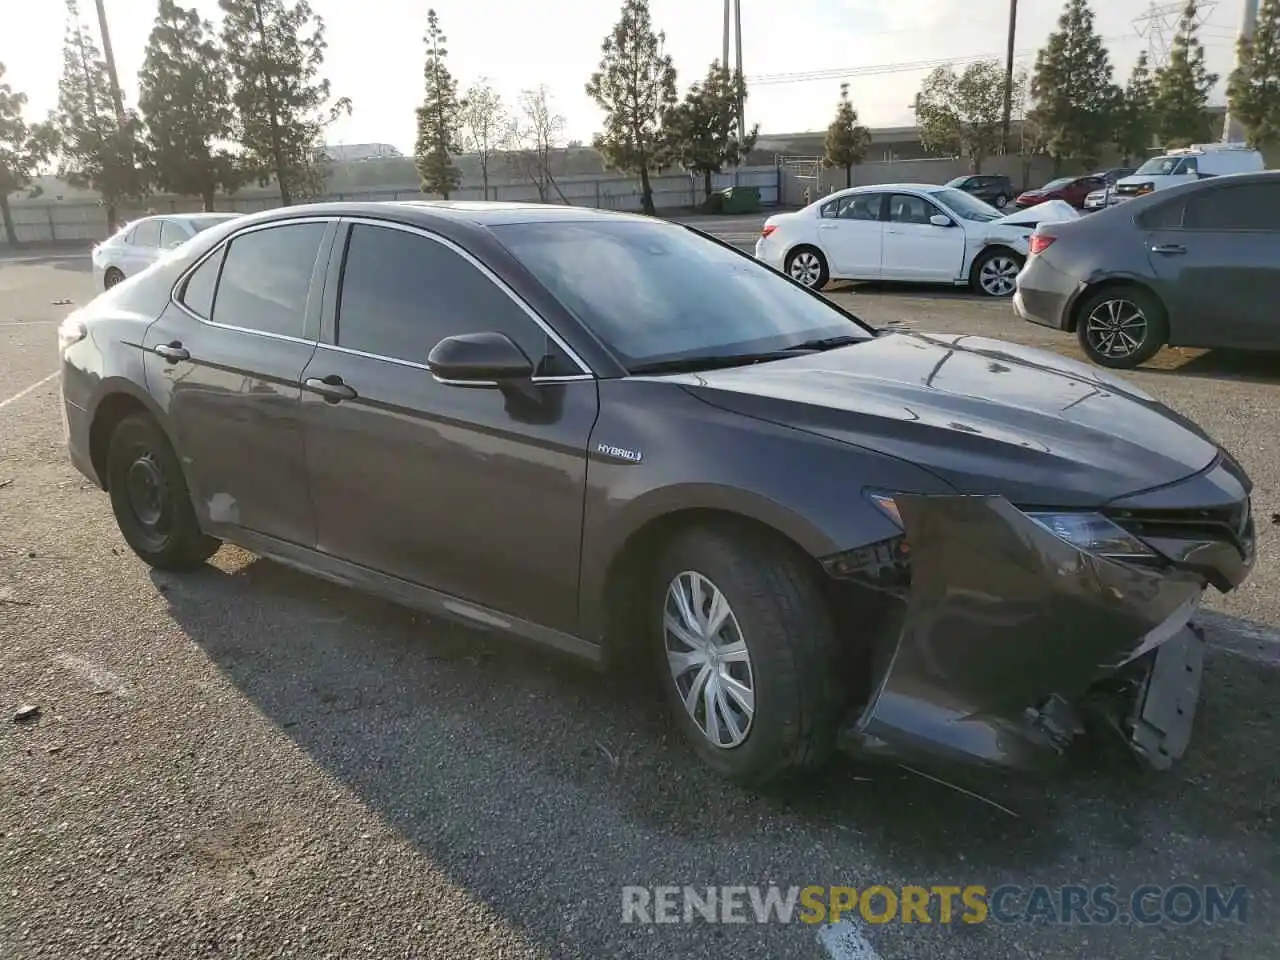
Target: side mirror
(479,358)
(938,220)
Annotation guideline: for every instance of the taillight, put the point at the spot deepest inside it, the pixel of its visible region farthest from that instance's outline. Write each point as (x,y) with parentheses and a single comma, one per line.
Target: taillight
(1040,242)
(767,229)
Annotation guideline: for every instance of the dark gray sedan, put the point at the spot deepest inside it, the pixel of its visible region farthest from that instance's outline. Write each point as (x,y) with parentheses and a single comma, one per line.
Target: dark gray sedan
(622,439)
(1197,265)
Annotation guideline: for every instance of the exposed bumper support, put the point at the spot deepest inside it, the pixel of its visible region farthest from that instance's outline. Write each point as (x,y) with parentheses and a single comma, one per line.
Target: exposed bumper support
(1006,630)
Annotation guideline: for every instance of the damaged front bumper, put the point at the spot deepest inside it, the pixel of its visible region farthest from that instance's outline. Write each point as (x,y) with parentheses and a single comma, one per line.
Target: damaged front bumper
(1011,640)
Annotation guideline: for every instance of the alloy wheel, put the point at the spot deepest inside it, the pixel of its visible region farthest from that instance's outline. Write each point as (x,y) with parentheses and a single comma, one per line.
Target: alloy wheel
(113,276)
(998,275)
(1116,328)
(806,268)
(708,659)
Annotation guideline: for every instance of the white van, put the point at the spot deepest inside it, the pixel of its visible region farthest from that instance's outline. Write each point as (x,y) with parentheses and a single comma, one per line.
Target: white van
(1192,163)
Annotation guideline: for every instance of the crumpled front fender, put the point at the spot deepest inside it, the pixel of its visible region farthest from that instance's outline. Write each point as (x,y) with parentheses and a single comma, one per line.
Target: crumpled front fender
(1005,625)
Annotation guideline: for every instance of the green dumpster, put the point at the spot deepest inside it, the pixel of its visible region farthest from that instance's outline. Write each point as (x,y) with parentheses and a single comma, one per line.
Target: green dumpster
(741,199)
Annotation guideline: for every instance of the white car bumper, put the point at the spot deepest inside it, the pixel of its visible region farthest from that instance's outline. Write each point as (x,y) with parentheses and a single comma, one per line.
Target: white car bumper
(770,253)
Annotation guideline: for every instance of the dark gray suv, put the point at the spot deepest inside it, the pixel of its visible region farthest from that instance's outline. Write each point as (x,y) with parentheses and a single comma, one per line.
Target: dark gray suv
(995,190)
(625,440)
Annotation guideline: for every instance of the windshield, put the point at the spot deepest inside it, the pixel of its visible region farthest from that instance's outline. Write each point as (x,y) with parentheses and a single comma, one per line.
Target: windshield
(656,292)
(966,206)
(957,181)
(1058,184)
(1160,166)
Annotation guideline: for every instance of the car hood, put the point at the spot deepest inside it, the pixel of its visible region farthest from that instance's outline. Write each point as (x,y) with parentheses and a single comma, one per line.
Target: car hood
(1050,210)
(985,416)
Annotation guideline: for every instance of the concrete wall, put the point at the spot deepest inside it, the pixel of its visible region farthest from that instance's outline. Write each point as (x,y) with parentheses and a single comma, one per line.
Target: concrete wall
(77,219)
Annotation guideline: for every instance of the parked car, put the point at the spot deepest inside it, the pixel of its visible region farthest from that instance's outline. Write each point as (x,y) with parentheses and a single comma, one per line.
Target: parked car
(1196,265)
(1101,197)
(140,243)
(995,190)
(618,437)
(910,232)
(1185,166)
(1070,190)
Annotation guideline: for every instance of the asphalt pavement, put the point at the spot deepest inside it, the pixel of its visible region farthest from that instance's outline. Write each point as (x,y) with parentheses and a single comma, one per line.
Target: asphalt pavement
(248,762)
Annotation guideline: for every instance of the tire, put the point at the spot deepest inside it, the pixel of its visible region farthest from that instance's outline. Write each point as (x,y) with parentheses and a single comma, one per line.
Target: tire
(111,278)
(1115,308)
(807,266)
(1000,202)
(793,665)
(994,271)
(150,499)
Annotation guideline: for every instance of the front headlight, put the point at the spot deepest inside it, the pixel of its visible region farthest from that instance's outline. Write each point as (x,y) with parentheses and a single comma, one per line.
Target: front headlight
(1093,533)
(70,332)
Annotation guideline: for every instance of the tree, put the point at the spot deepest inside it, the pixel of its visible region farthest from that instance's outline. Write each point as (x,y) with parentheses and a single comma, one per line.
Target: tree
(847,140)
(1135,119)
(635,87)
(1075,95)
(484,122)
(531,136)
(98,147)
(23,147)
(184,93)
(275,49)
(962,113)
(439,118)
(1254,89)
(1183,85)
(703,134)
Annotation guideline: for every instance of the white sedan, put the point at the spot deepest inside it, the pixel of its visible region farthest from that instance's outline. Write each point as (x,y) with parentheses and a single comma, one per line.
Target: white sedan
(911,231)
(142,242)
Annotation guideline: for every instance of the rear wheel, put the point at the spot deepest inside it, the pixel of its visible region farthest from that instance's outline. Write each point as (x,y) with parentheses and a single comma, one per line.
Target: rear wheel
(995,272)
(1001,201)
(751,660)
(150,499)
(1121,327)
(808,266)
(111,278)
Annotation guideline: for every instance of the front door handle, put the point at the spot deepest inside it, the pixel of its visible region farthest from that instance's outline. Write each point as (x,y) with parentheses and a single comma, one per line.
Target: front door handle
(1169,249)
(826,226)
(331,388)
(173,352)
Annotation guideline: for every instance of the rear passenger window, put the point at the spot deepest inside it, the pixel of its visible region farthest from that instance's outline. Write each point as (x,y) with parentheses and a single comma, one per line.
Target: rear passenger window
(266,277)
(402,294)
(1249,206)
(197,293)
(1166,216)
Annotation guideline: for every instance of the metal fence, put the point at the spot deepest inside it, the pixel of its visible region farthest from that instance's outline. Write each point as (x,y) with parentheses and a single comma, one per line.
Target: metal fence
(84,219)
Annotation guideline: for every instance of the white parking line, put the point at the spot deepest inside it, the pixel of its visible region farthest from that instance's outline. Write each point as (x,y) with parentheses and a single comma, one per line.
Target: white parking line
(22,393)
(846,941)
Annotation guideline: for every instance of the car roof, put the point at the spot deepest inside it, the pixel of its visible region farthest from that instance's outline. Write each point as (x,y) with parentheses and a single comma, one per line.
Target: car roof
(882,187)
(427,213)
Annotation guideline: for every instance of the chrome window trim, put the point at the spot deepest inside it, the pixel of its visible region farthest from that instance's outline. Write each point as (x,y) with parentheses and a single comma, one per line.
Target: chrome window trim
(566,378)
(488,273)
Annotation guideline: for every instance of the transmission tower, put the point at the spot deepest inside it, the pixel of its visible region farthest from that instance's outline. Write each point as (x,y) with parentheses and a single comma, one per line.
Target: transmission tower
(1159,25)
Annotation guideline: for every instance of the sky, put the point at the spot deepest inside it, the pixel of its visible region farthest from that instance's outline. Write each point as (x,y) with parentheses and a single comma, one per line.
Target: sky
(375,51)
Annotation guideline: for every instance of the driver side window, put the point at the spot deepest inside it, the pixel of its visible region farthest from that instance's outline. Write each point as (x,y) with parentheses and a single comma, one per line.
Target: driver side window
(402,293)
(905,208)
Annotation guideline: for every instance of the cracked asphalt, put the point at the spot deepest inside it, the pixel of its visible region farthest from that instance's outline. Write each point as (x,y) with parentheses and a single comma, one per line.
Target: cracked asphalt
(247,762)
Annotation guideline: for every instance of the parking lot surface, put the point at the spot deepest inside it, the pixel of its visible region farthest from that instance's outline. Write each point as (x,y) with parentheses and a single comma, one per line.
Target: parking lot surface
(247,762)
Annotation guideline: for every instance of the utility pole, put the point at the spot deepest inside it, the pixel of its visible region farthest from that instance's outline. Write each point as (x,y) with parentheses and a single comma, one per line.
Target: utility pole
(1232,132)
(117,99)
(1008,77)
(733,32)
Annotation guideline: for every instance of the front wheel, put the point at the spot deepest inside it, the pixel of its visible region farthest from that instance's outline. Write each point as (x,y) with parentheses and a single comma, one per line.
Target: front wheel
(751,662)
(995,273)
(1121,327)
(150,499)
(807,265)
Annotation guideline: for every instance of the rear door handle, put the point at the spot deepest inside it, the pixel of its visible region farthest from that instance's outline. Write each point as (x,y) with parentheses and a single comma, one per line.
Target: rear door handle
(331,388)
(1169,248)
(826,226)
(173,352)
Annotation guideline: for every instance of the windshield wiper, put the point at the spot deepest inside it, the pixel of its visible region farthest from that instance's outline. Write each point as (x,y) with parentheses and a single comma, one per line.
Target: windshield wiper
(711,361)
(825,343)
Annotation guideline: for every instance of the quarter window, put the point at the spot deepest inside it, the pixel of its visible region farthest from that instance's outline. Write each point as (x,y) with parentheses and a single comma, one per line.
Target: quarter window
(403,293)
(266,278)
(146,234)
(197,293)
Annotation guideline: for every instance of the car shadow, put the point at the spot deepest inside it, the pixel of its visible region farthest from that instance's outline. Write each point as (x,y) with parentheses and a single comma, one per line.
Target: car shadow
(489,757)
(1245,366)
(919,291)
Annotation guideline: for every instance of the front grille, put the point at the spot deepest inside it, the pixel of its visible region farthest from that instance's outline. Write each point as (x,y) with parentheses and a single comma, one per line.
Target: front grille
(1126,189)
